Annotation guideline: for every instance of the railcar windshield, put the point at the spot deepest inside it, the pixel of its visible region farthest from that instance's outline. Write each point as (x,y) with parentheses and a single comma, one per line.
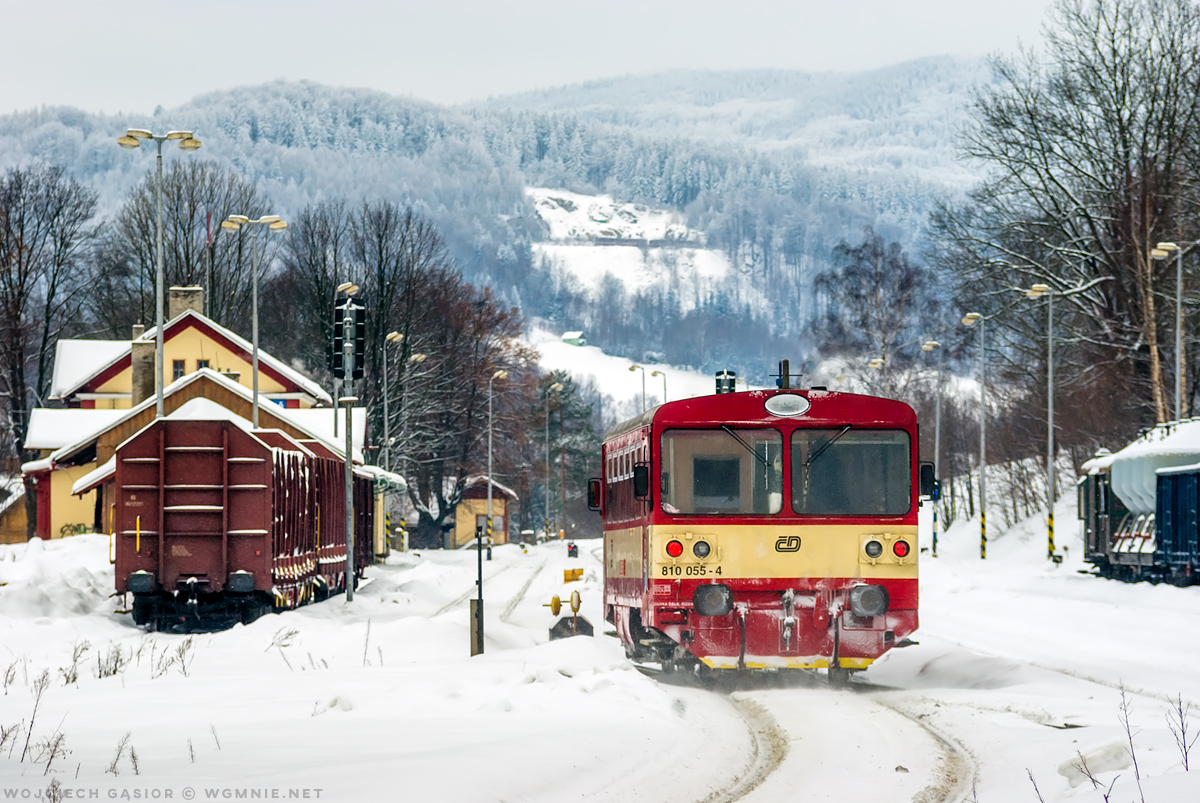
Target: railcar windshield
(723,471)
(851,472)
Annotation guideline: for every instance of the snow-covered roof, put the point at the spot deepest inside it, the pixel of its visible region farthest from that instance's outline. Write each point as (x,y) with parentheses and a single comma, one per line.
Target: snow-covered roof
(319,421)
(479,479)
(16,492)
(1134,468)
(212,410)
(84,359)
(93,478)
(77,361)
(53,429)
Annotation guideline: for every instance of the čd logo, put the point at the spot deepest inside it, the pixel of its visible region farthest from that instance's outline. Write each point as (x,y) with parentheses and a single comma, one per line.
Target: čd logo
(789,543)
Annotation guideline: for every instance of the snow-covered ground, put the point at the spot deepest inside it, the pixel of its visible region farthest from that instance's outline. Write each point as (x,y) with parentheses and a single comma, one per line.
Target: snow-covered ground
(1018,670)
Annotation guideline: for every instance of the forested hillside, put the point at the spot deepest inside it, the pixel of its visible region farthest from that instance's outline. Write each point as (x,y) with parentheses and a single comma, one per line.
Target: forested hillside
(775,169)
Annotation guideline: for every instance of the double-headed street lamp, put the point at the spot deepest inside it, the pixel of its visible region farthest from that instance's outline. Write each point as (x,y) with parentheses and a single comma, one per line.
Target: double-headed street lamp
(189,143)
(969,320)
(391,337)
(636,367)
(929,346)
(232,224)
(555,388)
(1161,252)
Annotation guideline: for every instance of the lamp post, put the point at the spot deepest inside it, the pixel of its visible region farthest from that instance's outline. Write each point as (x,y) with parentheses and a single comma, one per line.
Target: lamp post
(555,388)
(969,320)
(636,367)
(413,360)
(501,375)
(663,374)
(391,337)
(1033,293)
(929,346)
(1163,251)
(235,223)
(189,143)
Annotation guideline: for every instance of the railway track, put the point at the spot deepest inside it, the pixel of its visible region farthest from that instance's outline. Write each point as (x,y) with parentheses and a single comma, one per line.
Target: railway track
(513,602)
(775,722)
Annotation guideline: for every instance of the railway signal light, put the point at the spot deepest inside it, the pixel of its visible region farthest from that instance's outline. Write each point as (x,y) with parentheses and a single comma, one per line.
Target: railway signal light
(337,345)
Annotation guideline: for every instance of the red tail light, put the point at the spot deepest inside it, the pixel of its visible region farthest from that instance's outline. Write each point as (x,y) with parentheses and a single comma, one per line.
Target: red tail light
(674,548)
(901,548)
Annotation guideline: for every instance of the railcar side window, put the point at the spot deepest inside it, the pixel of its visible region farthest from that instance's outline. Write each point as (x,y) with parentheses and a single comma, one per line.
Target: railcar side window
(851,472)
(722,471)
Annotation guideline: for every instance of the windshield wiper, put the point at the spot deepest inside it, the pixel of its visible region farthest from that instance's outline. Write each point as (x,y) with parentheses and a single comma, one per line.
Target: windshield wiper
(747,446)
(812,458)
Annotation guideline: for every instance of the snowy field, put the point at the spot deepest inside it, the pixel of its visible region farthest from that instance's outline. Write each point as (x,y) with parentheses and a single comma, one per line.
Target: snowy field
(1018,672)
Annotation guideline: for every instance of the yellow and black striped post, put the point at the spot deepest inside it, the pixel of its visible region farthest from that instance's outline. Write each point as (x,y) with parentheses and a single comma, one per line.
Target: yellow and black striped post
(489,537)
(982,534)
(1051,531)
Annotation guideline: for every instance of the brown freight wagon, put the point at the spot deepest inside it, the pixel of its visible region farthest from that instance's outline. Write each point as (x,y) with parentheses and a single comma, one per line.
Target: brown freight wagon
(216,525)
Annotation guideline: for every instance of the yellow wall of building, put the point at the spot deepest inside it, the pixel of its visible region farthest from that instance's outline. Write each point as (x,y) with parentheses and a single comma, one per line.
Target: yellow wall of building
(191,345)
(468,510)
(14,524)
(67,510)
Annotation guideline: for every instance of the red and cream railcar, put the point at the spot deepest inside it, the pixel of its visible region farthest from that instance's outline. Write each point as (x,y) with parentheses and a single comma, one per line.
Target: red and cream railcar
(762,529)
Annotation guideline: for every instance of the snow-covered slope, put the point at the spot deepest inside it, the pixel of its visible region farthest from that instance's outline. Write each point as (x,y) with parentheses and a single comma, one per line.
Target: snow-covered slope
(593,240)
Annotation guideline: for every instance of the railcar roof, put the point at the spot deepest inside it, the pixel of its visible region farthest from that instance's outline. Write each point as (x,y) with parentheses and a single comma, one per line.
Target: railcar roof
(829,407)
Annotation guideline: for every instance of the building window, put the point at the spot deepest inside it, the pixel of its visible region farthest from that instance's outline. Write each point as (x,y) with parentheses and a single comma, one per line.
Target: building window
(201,364)
(178,369)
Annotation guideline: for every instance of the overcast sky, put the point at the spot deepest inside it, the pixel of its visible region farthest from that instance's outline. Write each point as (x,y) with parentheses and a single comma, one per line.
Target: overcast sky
(102,55)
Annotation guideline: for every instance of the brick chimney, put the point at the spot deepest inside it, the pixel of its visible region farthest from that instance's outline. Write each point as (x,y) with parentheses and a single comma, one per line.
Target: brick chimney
(180,299)
(142,364)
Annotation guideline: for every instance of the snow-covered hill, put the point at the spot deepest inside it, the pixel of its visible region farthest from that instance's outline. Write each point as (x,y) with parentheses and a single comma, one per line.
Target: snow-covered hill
(593,239)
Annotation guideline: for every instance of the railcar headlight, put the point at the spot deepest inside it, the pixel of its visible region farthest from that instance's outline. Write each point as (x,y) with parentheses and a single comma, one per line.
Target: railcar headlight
(701,549)
(873,549)
(674,548)
(712,600)
(901,548)
(868,600)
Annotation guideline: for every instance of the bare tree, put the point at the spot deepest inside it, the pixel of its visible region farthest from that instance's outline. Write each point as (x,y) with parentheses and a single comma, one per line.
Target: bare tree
(1088,157)
(197,196)
(45,232)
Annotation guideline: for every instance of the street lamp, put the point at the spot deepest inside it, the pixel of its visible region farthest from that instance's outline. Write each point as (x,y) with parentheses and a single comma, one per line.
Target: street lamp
(969,320)
(555,388)
(877,362)
(636,367)
(391,337)
(663,374)
(1161,252)
(232,224)
(189,143)
(929,346)
(1033,293)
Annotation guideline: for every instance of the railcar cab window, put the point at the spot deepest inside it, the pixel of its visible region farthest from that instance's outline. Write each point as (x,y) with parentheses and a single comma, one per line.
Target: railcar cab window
(723,471)
(851,472)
